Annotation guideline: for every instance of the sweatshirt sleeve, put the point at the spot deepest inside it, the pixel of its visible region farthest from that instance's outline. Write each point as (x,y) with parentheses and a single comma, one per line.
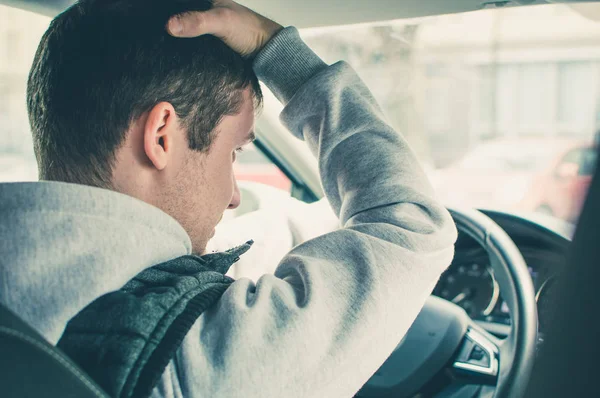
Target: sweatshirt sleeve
(337,305)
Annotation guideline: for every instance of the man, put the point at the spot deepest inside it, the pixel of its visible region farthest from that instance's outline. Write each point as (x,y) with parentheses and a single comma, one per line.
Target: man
(135,133)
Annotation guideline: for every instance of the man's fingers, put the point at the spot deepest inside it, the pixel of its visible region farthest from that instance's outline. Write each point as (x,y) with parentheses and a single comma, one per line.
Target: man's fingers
(243,30)
(192,24)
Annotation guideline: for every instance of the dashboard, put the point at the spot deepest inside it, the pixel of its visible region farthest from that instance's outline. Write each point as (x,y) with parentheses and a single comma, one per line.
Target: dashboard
(470,283)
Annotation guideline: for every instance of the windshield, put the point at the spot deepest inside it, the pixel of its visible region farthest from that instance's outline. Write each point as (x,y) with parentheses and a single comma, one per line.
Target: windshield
(490,101)
(501,106)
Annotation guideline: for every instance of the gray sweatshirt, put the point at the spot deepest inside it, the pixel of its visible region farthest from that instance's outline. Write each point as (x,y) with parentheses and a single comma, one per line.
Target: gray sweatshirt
(336,306)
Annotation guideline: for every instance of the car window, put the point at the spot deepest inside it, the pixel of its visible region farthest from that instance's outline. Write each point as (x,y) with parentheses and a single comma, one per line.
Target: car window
(253,165)
(20,33)
(488,100)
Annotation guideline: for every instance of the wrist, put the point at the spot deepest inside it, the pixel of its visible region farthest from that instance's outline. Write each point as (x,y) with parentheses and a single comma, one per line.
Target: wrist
(285,63)
(270,29)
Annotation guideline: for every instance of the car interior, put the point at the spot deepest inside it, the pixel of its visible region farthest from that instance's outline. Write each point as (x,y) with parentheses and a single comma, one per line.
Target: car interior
(513,315)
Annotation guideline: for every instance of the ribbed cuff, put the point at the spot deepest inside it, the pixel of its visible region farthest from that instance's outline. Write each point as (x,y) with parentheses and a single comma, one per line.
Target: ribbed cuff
(286,63)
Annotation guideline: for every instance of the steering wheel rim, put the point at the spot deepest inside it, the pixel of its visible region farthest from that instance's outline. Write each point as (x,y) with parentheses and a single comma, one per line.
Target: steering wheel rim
(443,331)
(516,288)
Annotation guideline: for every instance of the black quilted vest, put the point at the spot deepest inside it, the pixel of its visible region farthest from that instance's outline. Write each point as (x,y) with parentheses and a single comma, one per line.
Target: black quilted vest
(125,339)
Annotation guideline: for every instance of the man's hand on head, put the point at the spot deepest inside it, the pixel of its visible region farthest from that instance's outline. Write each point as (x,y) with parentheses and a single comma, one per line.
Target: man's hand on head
(242,29)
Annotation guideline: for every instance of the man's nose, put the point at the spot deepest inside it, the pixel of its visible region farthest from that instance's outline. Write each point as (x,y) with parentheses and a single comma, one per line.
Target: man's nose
(236,199)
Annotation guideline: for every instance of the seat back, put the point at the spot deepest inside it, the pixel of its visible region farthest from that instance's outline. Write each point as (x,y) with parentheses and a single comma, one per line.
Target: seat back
(567,365)
(31,367)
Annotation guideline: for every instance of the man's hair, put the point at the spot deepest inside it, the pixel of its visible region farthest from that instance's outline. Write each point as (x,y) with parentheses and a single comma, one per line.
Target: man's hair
(103,63)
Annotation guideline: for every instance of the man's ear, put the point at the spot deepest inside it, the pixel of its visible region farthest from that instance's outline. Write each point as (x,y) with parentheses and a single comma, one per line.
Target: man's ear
(159,130)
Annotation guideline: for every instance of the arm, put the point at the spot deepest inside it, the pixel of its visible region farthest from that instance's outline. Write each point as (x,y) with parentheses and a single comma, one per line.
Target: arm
(338,304)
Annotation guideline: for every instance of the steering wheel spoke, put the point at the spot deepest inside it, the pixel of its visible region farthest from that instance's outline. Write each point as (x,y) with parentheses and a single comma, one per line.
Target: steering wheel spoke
(477,361)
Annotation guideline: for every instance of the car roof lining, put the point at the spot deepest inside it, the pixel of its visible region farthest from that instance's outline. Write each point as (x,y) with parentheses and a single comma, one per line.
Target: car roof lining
(316,13)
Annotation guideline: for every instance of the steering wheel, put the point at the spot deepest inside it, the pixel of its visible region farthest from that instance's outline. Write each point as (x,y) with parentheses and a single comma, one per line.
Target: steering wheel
(444,340)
